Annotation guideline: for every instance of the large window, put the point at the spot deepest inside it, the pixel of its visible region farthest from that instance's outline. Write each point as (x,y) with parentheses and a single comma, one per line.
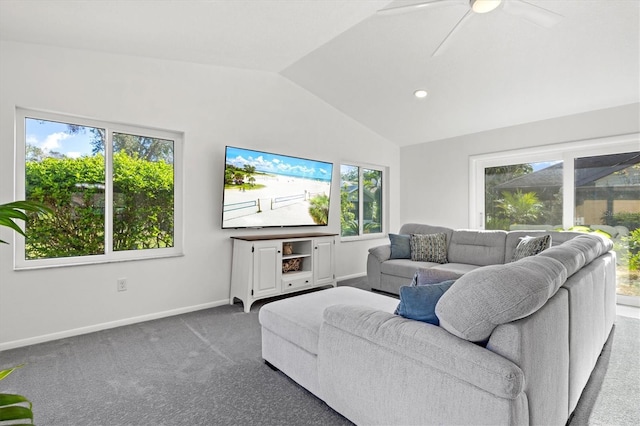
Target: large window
(591,186)
(113,189)
(361,200)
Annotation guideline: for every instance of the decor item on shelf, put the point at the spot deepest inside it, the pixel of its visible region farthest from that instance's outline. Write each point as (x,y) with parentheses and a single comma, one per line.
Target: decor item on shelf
(291,265)
(287,248)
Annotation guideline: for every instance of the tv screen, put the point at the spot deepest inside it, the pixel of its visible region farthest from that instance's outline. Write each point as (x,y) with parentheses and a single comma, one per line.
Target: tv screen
(263,190)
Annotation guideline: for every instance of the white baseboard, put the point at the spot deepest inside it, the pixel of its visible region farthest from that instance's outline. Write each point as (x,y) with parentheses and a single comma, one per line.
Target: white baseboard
(348,277)
(104,326)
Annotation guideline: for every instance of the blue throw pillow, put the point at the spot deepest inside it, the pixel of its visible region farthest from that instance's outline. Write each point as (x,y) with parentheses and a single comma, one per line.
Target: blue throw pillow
(419,302)
(400,246)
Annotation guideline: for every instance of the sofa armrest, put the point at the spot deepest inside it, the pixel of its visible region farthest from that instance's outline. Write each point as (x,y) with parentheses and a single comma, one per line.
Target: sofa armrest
(381,253)
(426,345)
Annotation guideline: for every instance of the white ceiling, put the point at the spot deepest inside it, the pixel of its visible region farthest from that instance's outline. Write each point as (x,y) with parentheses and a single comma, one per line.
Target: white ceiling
(498,70)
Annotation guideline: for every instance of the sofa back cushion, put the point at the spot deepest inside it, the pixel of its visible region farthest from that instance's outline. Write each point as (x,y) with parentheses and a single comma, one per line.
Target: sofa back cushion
(486,297)
(418,228)
(477,247)
(579,251)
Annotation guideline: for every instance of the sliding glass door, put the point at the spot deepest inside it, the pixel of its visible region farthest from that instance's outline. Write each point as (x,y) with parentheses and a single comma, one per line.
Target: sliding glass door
(591,187)
(523,196)
(607,201)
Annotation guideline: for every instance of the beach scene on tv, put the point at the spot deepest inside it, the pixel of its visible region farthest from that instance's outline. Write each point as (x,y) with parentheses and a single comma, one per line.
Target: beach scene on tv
(265,190)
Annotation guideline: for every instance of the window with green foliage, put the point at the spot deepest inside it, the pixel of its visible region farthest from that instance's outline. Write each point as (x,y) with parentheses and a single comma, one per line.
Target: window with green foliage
(361,200)
(591,186)
(113,189)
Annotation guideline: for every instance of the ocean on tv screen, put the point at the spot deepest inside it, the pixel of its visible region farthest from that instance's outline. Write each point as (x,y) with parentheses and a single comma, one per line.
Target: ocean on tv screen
(269,190)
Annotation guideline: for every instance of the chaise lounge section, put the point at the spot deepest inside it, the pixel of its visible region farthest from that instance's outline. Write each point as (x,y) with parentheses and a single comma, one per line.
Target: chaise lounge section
(516,343)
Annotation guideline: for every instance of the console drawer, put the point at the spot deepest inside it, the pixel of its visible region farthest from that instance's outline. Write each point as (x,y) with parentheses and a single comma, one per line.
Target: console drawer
(296,283)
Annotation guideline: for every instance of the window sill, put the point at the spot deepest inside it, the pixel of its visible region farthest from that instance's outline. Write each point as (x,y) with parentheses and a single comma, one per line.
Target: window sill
(87,260)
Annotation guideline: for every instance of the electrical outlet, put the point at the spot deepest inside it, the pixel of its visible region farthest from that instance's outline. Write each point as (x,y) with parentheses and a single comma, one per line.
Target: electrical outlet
(122,284)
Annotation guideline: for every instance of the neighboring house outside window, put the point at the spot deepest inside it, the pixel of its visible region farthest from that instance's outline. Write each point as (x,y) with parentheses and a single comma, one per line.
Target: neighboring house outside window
(590,186)
(115,190)
(361,200)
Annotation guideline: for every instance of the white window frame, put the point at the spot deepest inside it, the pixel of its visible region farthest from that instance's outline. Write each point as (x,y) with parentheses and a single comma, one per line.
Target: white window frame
(109,256)
(567,152)
(385,204)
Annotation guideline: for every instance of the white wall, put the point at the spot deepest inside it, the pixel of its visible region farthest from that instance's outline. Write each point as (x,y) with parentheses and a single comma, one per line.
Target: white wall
(214,107)
(438,172)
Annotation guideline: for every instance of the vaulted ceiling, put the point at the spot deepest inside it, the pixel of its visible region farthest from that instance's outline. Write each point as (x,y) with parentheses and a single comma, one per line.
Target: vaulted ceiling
(497,70)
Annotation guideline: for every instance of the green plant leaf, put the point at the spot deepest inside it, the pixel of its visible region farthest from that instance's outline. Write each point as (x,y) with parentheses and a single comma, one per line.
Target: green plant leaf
(7,399)
(29,206)
(15,412)
(5,373)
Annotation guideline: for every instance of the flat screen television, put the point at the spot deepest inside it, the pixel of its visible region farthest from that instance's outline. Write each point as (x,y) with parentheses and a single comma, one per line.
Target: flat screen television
(265,190)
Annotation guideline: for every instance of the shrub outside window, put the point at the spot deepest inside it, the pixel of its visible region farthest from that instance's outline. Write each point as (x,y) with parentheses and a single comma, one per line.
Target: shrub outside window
(361,200)
(589,186)
(114,190)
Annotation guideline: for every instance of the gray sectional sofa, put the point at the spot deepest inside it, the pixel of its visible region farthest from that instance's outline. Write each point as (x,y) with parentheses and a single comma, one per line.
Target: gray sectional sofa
(466,250)
(516,344)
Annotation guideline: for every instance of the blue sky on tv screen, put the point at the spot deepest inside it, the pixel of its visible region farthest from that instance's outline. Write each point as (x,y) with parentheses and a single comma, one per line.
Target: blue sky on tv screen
(279,164)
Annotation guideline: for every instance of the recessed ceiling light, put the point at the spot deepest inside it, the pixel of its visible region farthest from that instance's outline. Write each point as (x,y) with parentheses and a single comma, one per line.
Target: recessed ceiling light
(421,93)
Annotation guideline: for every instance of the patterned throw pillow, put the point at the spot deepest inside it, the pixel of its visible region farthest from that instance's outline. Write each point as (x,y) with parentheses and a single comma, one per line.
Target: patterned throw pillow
(429,247)
(530,246)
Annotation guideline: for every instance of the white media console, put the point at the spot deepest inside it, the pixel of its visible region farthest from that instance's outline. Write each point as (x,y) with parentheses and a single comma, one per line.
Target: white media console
(270,265)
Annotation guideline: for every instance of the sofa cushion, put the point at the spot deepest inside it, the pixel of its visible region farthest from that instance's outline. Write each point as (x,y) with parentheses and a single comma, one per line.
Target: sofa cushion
(591,245)
(477,247)
(403,268)
(530,246)
(297,319)
(429,247)
(426,276)
(419,302)
(419,228)
(579,251)
(570,257)
(400,246)
(458,269)
(487,297)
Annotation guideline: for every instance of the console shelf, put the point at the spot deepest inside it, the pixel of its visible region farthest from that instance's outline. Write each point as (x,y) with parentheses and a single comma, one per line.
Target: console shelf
(270,265)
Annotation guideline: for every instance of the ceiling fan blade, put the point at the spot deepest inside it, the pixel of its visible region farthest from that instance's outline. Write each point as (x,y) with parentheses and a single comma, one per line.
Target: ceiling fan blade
(424,5)
(532,13)
(449,36)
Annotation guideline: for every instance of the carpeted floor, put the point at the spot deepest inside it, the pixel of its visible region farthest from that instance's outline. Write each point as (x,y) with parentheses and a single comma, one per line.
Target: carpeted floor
(205,368)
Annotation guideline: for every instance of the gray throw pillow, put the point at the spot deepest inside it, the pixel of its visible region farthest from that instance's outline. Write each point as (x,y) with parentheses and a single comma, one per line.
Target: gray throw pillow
(429,247)
(530,246)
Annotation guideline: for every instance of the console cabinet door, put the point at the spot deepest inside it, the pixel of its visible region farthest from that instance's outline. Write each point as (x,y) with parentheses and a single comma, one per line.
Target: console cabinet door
(323,259)
(266,273)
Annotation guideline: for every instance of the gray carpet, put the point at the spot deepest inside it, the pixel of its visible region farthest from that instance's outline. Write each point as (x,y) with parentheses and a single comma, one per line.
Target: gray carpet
(204,368)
